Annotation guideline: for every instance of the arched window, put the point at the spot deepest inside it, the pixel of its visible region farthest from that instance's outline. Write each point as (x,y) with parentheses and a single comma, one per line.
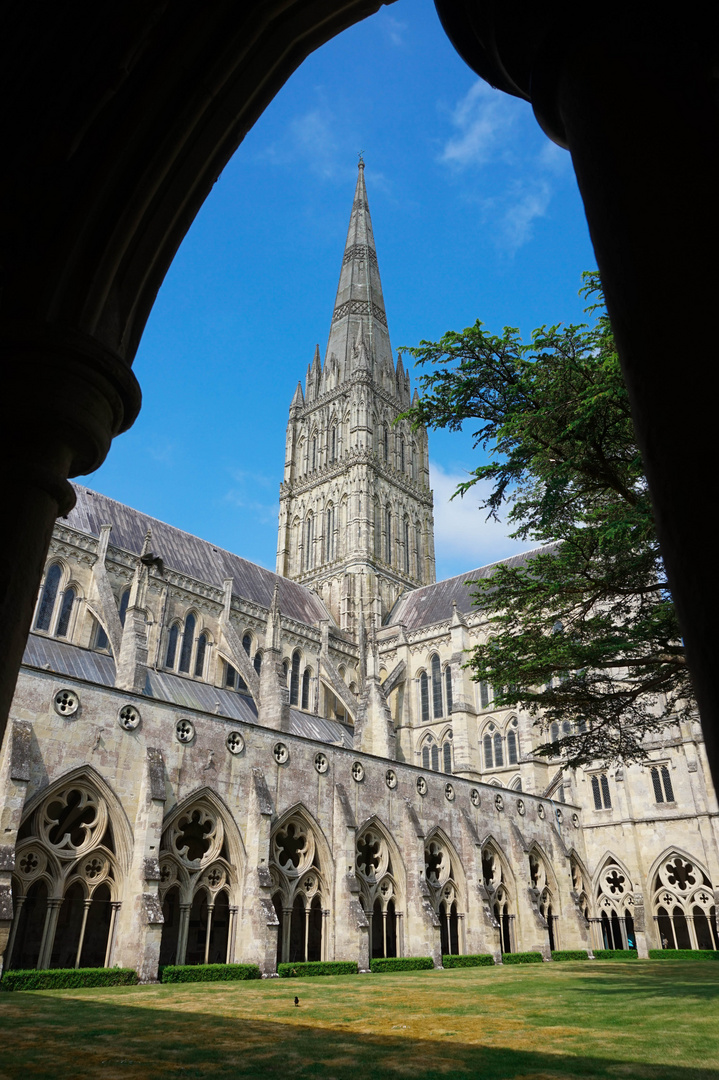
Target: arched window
(313,453)
(436,687)
(124,601)
(49,595)
(498,751)
(434,749)
(100,640)
(187,642)
(512,744)
(488,753)
(306,676)
(554,732)
(333,444)
(295,678)
(600,792)
(388,535)
(401,453)
(424,696)
(447,754)
(309,542)
(662,783)
(684,905)
(418,549)
(63,619)
(202,642)
(257,662)
(484,695)
(330,532)
(406,545)
(247,643)
(425,756)
(301,894)
(172,639)
(448,688)
(386,444)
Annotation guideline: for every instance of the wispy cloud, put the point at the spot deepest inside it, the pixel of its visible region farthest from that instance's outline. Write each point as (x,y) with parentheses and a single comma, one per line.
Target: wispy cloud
(241,495)
(312,138)
(482,120)
(492,130)
(464,540)
(394,30)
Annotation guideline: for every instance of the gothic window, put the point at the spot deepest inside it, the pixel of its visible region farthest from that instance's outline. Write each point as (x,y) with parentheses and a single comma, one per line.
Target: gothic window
(388,535)
(516,784)
(247,643)
(65,864)
(448,688)
(48,597)
(124,601)
(447,753)
(386,445)
(406,545)
(313,453)
(188,637)
(306,677)
(484,695)
(499,897)
(230,676)
(379,892)
(498,751)
(300,892)
(257,662)
(554,732)
(197,886)
(418,549)
(295,678)
(614,926)
(63,619)
(439,865)
(426,759)
(330,532)
(401,453)
(172,639)
(436,687)
(662,783)
(100,638)
(424,696)
(333,444)
(202,643)
(488,749)
(309,542)
(600,792)
(684,906)
(512,744)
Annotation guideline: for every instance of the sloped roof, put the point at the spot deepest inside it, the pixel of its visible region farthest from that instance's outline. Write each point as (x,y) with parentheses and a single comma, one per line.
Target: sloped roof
(433,603)
(65,659)
(187,554)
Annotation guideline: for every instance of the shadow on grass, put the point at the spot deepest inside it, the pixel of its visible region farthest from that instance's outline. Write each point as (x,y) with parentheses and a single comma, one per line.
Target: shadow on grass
(53,1038)
(674,979)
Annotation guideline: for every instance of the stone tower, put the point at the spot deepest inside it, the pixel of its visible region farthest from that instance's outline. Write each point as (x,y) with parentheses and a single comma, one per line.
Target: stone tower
(355,504)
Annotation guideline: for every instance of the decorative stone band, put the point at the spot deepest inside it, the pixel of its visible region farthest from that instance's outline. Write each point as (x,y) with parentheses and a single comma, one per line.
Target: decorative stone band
(359,307)
(360,251)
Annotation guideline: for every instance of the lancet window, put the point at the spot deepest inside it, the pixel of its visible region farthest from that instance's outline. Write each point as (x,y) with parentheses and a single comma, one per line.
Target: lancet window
(683,905)
(662,784)
(306,683)
(300,891)
(380,892)
(55,607)
(388,535)
(441,876)
(600,792)
(542,892)
(436,670)
(188,636)
(67,883)
(448,688)
(424,696)
(406,546)
(500,903)
(309,541)
(512,743)
(295,678)
(330,533)
(198,888)
(613,928)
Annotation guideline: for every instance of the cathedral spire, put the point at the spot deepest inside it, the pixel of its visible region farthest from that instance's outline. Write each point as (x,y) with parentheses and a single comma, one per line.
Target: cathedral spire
(359,304)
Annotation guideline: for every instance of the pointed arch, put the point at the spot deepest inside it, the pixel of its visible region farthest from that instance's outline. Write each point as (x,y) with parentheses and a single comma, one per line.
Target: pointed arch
(232,835)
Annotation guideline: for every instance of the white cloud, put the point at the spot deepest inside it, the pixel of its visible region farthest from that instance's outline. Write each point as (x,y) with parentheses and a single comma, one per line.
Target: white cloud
(464,540)
(394,30)
(311,137)
(527,203)
(483,119)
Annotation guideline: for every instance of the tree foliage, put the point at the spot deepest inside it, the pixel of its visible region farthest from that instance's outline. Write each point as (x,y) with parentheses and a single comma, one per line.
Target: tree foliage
(584,632)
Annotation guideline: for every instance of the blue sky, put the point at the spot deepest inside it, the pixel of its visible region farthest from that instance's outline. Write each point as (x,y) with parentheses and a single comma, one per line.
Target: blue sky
(476,215)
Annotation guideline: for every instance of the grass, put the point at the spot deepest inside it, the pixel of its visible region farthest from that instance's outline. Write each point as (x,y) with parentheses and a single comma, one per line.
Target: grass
(574,1020)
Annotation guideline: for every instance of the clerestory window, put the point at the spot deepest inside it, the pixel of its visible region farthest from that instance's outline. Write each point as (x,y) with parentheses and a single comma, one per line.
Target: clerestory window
(662,784)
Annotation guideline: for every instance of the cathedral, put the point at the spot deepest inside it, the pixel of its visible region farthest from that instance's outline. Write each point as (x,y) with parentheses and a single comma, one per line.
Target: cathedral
(210,762)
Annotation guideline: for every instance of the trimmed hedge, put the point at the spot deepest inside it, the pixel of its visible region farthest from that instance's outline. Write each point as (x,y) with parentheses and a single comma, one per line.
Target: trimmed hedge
(522,958)
(683,954)
(308,968)
(67,978)
(400,963)
(178,973)
(615,954)
(570,954)
(484,959)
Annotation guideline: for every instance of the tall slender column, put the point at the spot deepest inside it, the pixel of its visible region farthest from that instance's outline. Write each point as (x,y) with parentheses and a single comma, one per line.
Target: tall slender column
(286,931)
(19,902)
(182,936)
(114,908)
(48,933)
(208,931)
(81,941)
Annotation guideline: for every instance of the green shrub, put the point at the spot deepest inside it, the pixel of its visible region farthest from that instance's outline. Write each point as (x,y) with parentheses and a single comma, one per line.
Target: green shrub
(400,963)
(177,973)
(67,978)
(569,954)
(306,969)
(615,954)
(683,954)
(484,959)
(522,958)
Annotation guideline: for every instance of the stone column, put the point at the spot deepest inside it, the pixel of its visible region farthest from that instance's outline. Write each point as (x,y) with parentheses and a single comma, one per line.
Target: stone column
(14,777)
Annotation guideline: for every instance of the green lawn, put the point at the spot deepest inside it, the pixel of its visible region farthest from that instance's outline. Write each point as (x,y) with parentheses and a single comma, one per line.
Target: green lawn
(577,1020)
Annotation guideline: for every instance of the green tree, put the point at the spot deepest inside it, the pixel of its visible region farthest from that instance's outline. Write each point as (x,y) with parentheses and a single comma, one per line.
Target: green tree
(584,632)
